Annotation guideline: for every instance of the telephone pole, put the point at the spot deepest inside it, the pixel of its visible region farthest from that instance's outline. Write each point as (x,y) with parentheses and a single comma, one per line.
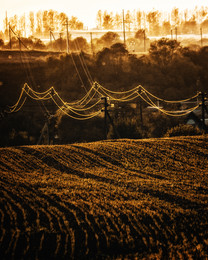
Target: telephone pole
(144,41)
(203,108)
(6,30)
(107,115)
(67,35)
(201,36)
(124,34)
(10,37)
(91,43)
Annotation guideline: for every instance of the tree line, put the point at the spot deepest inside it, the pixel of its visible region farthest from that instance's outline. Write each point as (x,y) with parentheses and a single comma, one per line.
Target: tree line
(168,70)
(155,22)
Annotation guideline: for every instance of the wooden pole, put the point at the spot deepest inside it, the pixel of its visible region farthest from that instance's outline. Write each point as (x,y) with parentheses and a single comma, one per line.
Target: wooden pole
(105,117)
(201,36)
(67,35)
(10,38)
(124,34)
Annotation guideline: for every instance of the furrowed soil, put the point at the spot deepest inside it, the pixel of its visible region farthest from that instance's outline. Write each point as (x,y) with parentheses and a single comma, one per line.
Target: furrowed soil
(121,199)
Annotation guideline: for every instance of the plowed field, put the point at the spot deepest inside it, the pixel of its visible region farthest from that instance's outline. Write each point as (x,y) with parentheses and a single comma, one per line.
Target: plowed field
(123,199)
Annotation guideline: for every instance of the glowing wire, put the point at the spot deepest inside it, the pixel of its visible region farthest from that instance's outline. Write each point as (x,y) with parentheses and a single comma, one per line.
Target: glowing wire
(115,92)
(89,117)
(172,112)
(169,101)
(168,113)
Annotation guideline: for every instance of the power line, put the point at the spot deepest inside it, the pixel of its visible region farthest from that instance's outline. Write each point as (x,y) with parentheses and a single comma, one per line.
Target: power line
(84,105)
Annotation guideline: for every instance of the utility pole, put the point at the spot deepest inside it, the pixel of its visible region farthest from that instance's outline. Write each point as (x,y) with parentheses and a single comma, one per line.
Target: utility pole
(50,37)
(144,41)
(6,30)
(124,36)
(19,42)
(203,108)
(91,43)
(67,35)
(10,38)
(60,34)
(201,36)
(141,115)
(140,108)
(107,115)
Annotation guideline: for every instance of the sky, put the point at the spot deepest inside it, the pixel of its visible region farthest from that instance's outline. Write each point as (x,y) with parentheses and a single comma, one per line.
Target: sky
(86,10)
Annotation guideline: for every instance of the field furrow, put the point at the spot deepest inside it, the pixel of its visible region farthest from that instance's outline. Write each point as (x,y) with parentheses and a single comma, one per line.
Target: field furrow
(145,199)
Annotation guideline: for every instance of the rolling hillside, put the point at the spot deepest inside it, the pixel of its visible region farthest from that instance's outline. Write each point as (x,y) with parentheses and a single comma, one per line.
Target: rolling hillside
(122,199)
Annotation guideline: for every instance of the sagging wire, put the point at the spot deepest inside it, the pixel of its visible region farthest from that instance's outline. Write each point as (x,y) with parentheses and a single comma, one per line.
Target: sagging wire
(169,101)
(173,112)
(117,92)
(81,105)
(85,117)
(169,113)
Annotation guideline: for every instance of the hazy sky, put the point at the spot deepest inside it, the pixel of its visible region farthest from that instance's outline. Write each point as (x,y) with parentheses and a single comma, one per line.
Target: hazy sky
(86,10)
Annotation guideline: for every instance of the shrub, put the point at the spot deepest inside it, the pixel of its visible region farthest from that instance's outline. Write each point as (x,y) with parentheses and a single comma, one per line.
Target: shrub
(126,128)
(183,130)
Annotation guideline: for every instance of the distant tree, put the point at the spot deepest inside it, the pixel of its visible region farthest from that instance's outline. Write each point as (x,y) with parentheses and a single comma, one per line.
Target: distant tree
(32,23)
(109,39)
(99,19)
(140,34)
(175,16)
(62,17)
(166,27)
(139,19)
(22,26)
(128,20)
(38,44)
(107,21)
(204,26)
(189,26)
(163,51)
(153,19)
(13,21)
(112,63)
(79,44)
(75,24)
(1,43)
(52,19)
(39,21)
(72,23)
(202,14)
(117,21)
(46,25)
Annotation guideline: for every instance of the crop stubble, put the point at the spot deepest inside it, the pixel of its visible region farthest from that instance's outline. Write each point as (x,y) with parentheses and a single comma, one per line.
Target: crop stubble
(110,199)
